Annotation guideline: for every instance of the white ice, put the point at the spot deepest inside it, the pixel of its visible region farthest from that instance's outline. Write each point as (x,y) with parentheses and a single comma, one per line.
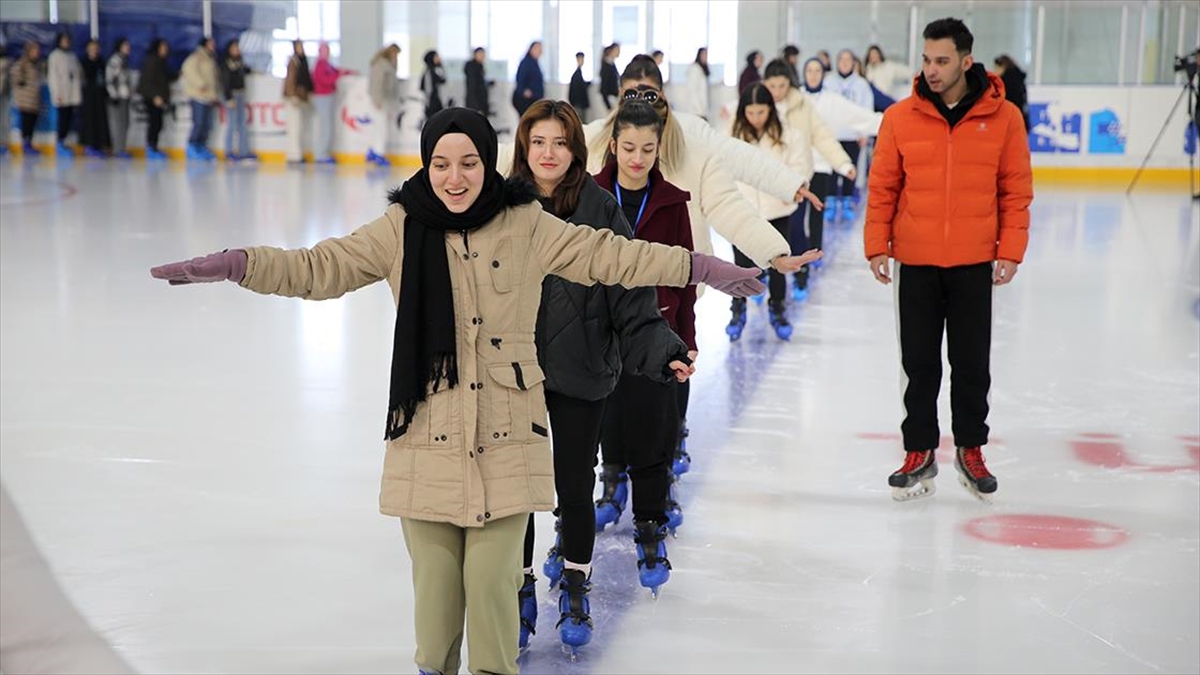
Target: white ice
(201,464)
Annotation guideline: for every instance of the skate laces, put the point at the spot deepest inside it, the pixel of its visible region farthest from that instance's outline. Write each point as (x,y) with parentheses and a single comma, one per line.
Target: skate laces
(972,459)
(914,461)
(577,609)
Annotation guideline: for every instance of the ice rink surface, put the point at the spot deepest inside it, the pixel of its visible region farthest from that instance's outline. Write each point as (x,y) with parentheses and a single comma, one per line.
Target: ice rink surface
(201,464)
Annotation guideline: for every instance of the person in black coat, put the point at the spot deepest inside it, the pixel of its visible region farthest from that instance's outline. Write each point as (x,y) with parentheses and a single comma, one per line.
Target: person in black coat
(586,337)
(94,131)
(431,83)
(477,83)
(610,77)
(154,86)
(577,95)
(1014,84)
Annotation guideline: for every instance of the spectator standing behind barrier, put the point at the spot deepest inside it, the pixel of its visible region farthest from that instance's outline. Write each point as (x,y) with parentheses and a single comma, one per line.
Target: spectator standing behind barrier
(27,86)
(297,89)
(609,76)
(200,85)
(154,87)
(531,84)
(752,72)
(66,88)
(1014,85)
(118,79)
(577,94)
(384,90)
(93,134)
(324,87)
(431,83)
(233,72)
(477,83)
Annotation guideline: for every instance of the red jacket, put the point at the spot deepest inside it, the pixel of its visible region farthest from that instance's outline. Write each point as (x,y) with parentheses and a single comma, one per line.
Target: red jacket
(949,197)
(665,221)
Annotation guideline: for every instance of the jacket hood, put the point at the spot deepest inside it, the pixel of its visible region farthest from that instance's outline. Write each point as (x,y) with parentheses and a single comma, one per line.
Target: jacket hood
(985,92)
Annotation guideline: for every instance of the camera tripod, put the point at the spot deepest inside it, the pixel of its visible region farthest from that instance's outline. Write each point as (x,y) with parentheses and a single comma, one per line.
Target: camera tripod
(1193,97)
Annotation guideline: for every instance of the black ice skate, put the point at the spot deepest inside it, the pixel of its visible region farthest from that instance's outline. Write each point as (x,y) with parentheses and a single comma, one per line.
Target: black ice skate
(973,474)
(914,480)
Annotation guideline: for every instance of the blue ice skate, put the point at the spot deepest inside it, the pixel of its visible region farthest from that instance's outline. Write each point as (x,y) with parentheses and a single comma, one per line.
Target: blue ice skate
(528,599)
(612,502)
(575,619)
(653,567)
(553,567)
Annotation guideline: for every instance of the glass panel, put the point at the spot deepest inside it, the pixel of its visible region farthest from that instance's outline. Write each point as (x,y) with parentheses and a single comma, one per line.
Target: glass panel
(1082,43)
(453,29)
(625,23)
(722,41)
(575,23)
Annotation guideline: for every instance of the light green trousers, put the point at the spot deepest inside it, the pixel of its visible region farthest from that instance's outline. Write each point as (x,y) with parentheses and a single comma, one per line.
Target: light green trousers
(471,572)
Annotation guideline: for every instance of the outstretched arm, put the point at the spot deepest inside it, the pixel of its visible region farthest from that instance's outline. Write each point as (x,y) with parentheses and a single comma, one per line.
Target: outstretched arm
(330,269)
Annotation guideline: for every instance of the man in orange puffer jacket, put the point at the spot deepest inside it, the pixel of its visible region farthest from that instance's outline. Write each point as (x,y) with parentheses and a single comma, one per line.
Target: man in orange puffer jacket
(950,189)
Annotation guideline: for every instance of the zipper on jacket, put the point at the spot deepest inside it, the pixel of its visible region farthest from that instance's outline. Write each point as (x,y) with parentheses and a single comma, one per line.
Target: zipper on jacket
(949,163)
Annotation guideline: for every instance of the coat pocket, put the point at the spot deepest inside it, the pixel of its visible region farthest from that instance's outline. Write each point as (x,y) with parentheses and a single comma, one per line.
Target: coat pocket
(517,405)
(501,266)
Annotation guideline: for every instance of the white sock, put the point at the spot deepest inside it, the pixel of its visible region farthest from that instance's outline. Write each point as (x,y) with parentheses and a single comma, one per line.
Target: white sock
(528,570)
(586,568)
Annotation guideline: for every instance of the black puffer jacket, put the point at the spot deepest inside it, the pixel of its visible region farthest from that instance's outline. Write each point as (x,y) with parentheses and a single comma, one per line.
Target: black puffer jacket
(585,333)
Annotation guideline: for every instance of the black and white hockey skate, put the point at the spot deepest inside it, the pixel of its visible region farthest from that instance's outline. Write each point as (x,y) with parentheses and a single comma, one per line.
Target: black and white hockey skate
(973,474)
(914,480)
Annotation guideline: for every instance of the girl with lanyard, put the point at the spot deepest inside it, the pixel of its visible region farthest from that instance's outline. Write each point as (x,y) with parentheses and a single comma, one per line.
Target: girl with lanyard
(641,426)
(468,458)
(586,336)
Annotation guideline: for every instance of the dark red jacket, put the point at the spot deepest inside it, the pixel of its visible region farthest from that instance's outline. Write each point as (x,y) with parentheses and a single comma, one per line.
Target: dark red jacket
(665,221)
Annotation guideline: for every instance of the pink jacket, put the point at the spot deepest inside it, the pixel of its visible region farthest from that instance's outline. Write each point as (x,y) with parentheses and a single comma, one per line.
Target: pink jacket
(325,77)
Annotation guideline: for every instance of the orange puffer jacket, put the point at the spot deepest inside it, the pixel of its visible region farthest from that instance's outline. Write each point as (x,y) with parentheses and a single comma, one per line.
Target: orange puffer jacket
(949,197)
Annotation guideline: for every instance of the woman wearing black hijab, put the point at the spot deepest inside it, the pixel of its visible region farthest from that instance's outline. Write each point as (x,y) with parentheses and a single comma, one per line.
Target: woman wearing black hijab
(468,455)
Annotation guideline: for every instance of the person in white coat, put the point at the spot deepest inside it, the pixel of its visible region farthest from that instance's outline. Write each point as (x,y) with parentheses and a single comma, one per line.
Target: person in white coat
(845,80)
(845,119)
(695,98)
(799,111)
(757,123)
(65,77)
(890,77)
(705,162)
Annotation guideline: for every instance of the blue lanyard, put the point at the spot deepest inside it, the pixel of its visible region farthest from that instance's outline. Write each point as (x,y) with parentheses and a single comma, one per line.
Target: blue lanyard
(641,209)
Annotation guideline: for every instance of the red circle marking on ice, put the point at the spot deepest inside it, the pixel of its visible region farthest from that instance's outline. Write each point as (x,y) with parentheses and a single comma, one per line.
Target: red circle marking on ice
(1048,532)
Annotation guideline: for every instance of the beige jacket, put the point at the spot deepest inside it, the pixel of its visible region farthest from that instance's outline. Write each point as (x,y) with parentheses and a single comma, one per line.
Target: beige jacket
(199,76)
(791,154)
(798,112)
(478,452)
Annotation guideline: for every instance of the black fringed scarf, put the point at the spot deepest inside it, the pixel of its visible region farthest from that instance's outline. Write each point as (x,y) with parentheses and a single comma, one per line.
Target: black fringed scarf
(424,350)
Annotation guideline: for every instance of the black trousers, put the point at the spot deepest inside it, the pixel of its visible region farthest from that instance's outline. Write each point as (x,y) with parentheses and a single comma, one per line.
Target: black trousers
(641,432)
(957,301)
(66,115)
(684,391)
(28,124)
(776,281)
(844,187)
(575,425)
(154,126)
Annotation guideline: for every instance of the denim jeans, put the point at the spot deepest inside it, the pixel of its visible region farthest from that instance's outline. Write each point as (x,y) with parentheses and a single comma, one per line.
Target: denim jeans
(237,125)
(202,114)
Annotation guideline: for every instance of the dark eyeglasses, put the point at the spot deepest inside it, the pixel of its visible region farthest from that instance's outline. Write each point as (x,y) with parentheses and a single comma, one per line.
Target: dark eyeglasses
(647,95)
